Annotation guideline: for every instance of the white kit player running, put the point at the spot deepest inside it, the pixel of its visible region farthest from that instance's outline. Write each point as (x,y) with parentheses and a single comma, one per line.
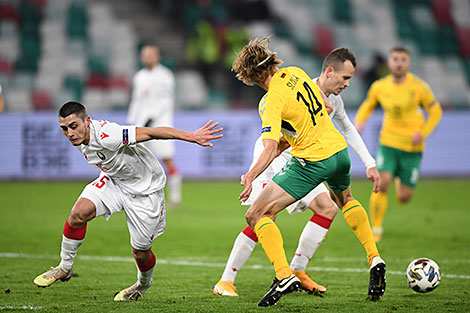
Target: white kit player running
(153,105)
(333,79)
(131,180)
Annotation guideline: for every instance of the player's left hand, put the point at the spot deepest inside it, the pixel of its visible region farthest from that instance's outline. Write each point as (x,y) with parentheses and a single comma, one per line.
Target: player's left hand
(206,133)
(374,177)
(247,182)
(417,139)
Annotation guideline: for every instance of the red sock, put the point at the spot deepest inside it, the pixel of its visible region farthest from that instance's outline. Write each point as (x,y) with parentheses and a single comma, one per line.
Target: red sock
(321,220)
(173,171)
(77,233)
(150,263)
(250,233)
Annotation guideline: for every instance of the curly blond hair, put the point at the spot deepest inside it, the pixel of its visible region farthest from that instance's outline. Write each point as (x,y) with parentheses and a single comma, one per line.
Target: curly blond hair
(255,62)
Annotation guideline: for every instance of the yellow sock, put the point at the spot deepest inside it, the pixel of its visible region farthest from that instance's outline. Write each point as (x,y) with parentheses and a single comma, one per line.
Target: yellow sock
(356,217)
(377,206)
(271,240)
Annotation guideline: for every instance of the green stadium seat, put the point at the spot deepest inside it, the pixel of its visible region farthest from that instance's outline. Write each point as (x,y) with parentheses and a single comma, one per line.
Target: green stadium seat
(74,85)
(342,11)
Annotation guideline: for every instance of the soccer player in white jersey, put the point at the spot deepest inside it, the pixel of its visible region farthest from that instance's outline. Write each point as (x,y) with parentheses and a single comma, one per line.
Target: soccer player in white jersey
(333,79)
(152,105)
(131,180)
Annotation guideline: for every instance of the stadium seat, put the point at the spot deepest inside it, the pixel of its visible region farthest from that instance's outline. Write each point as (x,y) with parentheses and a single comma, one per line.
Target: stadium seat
(97,81)
(41,100)
(119,82)
(463,35)
(5,66)
(18,100)
(442,12)
(74,85)
(325,41)
(8,12)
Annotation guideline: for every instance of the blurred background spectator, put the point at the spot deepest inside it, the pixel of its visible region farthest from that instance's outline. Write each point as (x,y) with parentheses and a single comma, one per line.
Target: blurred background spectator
(57,50)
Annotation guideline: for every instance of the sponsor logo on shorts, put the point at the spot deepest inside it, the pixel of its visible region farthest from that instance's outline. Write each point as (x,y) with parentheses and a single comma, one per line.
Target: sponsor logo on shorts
(125,136)
(266,129)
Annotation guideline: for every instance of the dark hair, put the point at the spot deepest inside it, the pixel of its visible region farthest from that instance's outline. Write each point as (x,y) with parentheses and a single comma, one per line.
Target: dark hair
(73,107)
(400,49)
(337,57)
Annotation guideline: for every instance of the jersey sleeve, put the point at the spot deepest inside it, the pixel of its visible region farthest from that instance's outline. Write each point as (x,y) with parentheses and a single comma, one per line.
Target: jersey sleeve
(114,136)
(368,106)
(433,108)
(270,111)
(353,139)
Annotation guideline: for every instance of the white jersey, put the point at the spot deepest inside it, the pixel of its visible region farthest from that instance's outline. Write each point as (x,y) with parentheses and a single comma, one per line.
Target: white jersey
(350,133)
(113,150)
(353,139)
(153,95)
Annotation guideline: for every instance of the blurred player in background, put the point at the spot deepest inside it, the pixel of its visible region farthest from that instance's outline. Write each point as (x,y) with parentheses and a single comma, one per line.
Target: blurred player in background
(337,69)
(295,106)
(131,180)
(402,96)
(152,105)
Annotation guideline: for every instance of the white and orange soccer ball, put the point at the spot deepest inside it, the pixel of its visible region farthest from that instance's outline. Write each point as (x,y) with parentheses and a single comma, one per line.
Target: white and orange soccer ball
(423,275)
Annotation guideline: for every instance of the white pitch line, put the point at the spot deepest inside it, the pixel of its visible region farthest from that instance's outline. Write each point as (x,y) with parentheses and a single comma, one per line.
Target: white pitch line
(14,255)
(23,307)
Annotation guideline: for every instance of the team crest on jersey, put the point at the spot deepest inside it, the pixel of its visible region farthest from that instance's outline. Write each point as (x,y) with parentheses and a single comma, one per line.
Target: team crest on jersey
(103,135)
(101,155)
(125,136)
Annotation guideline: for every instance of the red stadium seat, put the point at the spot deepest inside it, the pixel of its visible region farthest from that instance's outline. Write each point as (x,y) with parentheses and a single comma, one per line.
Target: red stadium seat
(5,66)
(98,81)
(463,35)
(119,82)
(41,100)
(442,12)
(325,40)
(8,12)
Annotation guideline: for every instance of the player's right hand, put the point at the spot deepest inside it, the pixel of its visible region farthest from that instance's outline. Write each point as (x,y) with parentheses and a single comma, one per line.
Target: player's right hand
(374,177)
(247,182)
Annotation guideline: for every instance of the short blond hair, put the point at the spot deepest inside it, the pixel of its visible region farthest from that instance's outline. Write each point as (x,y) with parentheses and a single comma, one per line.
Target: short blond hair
(255,62)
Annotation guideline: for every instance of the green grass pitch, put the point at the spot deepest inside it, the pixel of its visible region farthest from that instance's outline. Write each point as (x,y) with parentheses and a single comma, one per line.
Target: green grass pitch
(198,238)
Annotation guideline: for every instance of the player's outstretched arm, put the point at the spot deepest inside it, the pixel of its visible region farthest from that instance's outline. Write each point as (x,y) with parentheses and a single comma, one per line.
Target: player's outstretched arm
(266,157)
(202,136)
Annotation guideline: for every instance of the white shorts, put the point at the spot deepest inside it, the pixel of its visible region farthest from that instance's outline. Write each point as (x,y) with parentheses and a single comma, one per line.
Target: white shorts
(145,215)
(162,149)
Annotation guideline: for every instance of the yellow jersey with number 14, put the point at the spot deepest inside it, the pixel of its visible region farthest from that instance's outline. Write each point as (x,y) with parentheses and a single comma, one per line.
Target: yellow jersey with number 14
(293,105)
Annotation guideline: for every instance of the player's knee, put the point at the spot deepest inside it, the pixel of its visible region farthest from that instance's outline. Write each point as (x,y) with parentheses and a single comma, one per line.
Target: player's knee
(250,218)
(77,219)
(328,209)
(140,256)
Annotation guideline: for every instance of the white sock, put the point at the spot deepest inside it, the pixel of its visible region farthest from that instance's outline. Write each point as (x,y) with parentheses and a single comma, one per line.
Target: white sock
(144,278)
(68,252)
(241,251)
(175,182)
(311,238)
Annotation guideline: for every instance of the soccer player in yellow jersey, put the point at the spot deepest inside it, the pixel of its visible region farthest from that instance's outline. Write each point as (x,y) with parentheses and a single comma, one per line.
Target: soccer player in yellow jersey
(403,96)
(295,106)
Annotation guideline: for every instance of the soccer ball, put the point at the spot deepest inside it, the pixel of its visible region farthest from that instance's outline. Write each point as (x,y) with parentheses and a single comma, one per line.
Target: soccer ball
(423,275)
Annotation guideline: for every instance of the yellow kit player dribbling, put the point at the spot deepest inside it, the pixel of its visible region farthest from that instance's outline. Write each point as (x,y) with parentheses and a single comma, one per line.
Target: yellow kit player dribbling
(295,106)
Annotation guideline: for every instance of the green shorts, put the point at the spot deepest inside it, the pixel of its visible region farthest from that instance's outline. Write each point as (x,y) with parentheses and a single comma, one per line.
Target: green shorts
(399,163)
(298,177)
